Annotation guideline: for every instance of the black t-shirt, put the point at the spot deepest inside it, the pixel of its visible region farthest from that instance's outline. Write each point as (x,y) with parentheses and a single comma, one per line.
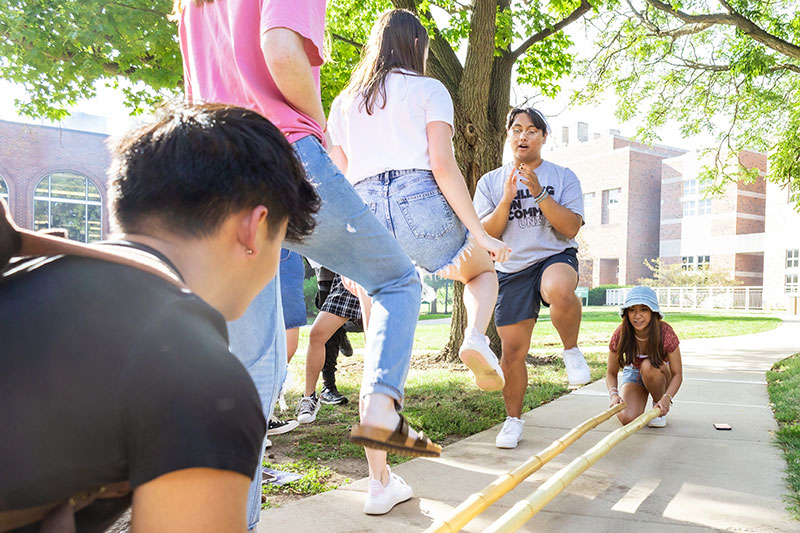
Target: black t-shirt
(107,374)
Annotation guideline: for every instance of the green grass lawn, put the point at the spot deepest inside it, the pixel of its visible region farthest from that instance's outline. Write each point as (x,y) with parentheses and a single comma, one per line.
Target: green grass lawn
(784,394)
(597,325)
(442,399)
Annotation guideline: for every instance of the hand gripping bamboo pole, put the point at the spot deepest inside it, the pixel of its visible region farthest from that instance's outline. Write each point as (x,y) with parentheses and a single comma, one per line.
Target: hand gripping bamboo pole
(524,510)
(480,501)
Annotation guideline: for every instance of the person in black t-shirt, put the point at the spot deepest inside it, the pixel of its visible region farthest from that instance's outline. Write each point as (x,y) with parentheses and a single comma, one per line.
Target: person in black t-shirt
(111,374)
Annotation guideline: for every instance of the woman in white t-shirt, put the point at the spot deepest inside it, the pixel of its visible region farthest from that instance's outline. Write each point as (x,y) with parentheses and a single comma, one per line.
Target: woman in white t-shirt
(391,131)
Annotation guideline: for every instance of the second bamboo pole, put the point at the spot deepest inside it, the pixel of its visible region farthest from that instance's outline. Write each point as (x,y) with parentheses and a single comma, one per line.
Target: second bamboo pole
(478,502)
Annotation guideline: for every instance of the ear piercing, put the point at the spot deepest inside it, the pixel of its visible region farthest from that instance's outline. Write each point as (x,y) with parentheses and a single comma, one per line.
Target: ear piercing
(249,251)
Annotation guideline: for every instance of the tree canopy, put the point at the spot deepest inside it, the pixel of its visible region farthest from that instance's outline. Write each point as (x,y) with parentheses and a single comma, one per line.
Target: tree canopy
(730,68)
(59,49)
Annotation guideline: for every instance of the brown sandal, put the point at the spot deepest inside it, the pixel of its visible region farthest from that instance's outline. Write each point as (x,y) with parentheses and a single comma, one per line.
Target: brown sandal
(396,441)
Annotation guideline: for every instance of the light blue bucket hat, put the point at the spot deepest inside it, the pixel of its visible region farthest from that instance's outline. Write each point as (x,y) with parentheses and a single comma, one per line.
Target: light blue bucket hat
(644,296)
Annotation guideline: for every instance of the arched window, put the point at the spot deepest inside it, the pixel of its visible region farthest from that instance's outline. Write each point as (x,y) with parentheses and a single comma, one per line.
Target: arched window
(68,200)
(3,189)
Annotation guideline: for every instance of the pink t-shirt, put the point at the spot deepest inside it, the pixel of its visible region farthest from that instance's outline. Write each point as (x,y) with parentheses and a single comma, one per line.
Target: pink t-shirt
(223,62)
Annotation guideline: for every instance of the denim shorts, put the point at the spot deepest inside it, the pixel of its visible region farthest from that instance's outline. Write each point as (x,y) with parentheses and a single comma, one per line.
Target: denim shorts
(519,293)
(631,374)
(294,303)
(414,210)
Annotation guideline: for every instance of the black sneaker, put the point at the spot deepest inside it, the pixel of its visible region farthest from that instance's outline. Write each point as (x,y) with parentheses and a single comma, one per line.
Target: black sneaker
(344,345)
(331,396)
(278,427)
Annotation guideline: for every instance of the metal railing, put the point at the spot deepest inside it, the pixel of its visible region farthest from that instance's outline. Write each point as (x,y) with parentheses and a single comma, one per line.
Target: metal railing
(744,298)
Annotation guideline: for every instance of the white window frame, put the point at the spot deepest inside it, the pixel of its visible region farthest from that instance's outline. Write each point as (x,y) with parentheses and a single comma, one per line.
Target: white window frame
(689,208)
(588,200)
(690,188)
(791,284)
(86,202)
(793,258)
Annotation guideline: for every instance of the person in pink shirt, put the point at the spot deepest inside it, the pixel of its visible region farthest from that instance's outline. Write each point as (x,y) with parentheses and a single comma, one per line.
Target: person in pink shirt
(265,55)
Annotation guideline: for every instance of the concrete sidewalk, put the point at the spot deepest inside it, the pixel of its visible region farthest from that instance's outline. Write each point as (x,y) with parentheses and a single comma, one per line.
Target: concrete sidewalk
(685,477)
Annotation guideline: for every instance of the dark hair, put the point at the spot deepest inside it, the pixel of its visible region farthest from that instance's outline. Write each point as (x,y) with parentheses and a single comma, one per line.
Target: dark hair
(397,41)
(627,347)
(535,115)
(197,164)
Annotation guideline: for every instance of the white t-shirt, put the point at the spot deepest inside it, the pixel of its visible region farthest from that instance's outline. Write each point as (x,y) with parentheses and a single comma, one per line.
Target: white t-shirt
(393,137)
(528,232)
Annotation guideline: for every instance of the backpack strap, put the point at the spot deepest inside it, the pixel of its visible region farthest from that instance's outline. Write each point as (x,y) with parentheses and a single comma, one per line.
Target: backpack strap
(18,242)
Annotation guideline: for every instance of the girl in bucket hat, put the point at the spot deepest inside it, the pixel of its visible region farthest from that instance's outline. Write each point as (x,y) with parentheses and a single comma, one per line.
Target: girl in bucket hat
(647,350)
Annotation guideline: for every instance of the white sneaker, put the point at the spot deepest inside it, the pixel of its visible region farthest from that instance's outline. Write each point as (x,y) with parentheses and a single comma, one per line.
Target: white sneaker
(381,500)
(511,433)
(577,370)
(268,444)
(307,409)
(479,358)
(658,422)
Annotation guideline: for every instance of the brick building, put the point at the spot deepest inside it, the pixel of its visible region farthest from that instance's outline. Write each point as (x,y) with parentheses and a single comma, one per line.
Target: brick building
(55,177)
(645,202)
(621,182)
(726,231)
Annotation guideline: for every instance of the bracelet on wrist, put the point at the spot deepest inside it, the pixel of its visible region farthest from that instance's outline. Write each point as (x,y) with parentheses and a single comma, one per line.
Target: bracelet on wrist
(671,401)
(541,196)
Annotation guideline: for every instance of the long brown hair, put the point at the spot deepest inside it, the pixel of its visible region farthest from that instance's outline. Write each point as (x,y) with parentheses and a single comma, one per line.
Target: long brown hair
(397,41)
(628,348)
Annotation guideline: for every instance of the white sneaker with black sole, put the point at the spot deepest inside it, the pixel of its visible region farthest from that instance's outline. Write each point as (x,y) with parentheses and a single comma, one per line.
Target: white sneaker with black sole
(481,360)
(307,409)
(578,372)
(381,500)
(510,434)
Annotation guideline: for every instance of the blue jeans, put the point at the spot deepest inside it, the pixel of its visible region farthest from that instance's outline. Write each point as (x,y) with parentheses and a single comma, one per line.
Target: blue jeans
(254,340)
(292,297)
(411,206)
(348,240)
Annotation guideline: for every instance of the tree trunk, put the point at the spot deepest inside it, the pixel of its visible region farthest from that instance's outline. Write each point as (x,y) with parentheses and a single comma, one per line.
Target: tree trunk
(480,109)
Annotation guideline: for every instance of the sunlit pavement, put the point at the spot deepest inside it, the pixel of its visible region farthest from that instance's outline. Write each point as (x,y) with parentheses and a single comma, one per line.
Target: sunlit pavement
(685,477)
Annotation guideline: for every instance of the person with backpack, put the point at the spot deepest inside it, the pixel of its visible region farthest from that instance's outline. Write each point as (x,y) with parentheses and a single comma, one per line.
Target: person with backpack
(118,388)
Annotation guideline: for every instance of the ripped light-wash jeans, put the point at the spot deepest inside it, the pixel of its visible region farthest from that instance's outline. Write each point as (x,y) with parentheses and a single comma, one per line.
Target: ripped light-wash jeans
(349,240)
(414,210)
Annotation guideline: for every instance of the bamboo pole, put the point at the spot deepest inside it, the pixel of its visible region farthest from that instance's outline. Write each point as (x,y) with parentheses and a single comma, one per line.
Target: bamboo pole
(524,510)
(480,501)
